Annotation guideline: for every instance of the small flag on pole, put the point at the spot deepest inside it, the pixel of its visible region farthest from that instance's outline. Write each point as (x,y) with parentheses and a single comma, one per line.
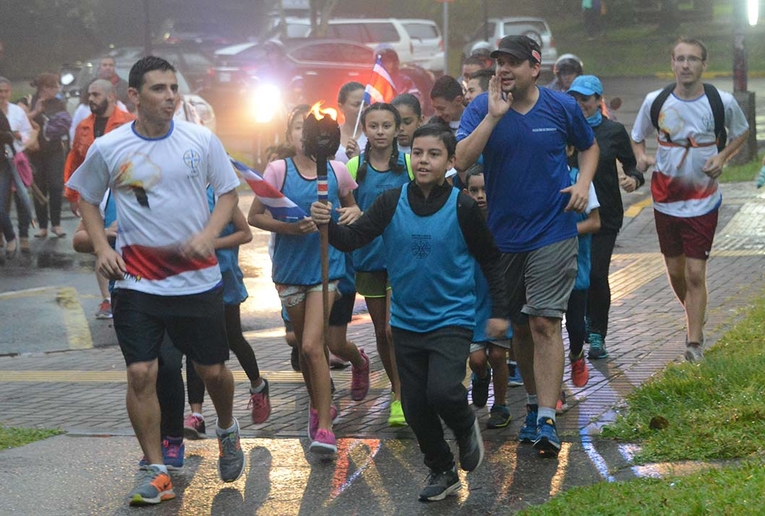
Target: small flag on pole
(275,202)
(380,87)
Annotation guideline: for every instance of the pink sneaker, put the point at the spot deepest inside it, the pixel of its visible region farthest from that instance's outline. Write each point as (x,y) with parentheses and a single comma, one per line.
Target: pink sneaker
(194,427)
(324,443)
(260,404)
(313,420)
(360,379)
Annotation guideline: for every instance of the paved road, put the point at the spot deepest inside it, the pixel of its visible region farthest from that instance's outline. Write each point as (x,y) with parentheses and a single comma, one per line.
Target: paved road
(89,470)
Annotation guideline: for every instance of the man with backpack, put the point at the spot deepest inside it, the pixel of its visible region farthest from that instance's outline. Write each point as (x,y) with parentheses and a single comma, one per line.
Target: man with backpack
(698,129)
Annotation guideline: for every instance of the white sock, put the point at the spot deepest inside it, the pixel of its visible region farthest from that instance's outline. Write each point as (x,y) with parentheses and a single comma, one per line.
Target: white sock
(546,413)
(161,467)
(259,388)
(197,414)
(224,431)
(531,399)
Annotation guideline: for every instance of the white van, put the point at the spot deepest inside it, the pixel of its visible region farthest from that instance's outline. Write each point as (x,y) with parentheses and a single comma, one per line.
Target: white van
(427,44)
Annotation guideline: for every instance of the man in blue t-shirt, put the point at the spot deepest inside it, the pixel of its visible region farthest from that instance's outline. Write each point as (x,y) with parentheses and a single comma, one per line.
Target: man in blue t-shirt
(522,131)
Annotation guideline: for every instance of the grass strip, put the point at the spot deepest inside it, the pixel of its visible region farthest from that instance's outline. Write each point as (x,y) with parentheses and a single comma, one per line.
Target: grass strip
(713,410)
(742,173)
(11,437)
(732,490)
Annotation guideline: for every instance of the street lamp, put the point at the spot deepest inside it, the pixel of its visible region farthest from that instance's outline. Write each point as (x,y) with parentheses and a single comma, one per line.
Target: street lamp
(752,10)
(743,9)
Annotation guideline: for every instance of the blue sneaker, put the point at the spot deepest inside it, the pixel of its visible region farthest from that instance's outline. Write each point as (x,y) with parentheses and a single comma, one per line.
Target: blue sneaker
(528,431)
(514,375)
(547,441)
(597,347)
(173,451)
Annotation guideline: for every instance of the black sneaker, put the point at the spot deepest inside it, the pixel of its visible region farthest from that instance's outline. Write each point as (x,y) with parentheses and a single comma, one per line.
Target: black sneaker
(471,448)
(480,390)
(440,485)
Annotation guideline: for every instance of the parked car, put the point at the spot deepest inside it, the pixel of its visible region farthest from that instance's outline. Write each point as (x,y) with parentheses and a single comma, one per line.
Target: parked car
(187,58)
(427,44)
(208,35)
(415,41)
(535,28)
(88,71)
(254,95)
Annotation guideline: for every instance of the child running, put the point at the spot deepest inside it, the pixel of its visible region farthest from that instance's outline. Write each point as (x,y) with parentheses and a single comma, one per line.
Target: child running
(428,227)
(483,349)
(297,273)
(587,224)
(234,234)
(380,167)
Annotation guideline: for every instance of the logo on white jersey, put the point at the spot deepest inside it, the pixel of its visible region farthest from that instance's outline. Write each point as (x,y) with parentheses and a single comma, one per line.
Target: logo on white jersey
(192,159)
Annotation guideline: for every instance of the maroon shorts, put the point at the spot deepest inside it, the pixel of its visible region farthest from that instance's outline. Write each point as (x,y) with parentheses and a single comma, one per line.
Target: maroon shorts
(689,236)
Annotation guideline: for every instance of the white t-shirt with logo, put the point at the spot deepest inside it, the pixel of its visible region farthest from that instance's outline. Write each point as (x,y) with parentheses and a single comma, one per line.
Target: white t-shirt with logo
(679,187)
(159,187)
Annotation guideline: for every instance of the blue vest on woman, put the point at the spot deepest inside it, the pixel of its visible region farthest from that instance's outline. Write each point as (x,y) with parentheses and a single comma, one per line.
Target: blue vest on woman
(430,268)
(297,258)
(371,257)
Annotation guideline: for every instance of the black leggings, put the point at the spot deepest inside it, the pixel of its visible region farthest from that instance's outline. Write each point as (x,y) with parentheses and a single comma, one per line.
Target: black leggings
(49,178)
(599,298)
(236,343)
(575,326)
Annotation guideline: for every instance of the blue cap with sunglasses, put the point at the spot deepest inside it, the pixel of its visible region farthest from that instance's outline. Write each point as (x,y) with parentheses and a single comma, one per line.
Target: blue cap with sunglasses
(586,85)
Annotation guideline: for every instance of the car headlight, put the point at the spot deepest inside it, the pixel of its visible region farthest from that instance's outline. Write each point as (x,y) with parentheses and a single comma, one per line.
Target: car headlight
(266,101)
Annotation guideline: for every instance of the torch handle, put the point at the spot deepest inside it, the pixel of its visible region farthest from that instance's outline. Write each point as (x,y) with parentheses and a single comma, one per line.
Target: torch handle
(322,191)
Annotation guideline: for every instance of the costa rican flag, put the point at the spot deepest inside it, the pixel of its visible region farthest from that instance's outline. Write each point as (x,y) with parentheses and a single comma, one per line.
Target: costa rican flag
(380,87)
(275,202)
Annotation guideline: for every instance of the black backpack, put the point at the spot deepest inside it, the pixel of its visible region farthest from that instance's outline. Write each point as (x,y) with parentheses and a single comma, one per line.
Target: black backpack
(718,111)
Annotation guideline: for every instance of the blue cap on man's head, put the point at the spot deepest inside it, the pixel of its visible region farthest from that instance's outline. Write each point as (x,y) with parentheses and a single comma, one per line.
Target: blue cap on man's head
(586,85)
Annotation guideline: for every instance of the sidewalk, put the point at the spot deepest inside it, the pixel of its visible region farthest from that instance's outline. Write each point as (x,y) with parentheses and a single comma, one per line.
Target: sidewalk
(82,392)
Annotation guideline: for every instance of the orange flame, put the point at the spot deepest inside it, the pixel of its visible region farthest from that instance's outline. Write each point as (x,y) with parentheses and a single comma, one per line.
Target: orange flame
(319,113)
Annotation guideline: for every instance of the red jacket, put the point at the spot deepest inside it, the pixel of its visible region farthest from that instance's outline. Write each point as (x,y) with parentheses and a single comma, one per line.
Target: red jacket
(83,139)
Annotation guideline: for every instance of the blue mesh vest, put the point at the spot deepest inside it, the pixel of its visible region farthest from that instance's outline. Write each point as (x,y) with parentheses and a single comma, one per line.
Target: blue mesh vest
(297,258)
(371,257)
(430,268)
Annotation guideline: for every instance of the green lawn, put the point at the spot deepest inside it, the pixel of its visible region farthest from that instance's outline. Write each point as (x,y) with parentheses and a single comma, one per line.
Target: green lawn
(714,410)
(14,437)
(742,173)
(734,491)
(710,411)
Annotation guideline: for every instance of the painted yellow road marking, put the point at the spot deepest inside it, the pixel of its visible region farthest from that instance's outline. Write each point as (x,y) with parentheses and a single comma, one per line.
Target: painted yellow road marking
(635,209)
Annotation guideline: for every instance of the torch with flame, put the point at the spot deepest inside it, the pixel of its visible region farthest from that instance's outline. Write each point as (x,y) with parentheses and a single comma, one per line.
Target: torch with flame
(321,138)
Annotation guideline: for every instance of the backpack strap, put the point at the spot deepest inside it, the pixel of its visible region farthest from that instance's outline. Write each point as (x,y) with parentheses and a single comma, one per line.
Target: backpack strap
(658,102)
(718,112)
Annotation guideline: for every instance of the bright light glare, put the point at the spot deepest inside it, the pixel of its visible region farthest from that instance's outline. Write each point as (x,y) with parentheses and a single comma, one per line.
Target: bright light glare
(752,9)
(266,101)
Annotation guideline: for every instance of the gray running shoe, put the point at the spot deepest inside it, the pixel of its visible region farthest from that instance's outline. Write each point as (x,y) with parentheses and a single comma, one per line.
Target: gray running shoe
(231,456)
(154,486)
(440,485)
(471,448)
(694,352)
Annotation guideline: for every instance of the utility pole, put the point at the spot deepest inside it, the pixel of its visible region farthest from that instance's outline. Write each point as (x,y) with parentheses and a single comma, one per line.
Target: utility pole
(744,98)
(146,28)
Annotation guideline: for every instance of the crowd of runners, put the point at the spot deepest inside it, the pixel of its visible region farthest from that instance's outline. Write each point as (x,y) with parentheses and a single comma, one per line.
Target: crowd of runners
(471,237)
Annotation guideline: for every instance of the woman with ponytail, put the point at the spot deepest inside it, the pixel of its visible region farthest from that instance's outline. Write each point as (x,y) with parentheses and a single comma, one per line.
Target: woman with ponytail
(379,167)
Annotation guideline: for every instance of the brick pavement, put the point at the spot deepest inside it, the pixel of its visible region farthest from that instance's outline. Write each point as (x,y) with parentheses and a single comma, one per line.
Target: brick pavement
(646,333)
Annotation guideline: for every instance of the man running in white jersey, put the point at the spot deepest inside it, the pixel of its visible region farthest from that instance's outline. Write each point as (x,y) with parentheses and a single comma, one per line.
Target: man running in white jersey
(686,197)
(164,260)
